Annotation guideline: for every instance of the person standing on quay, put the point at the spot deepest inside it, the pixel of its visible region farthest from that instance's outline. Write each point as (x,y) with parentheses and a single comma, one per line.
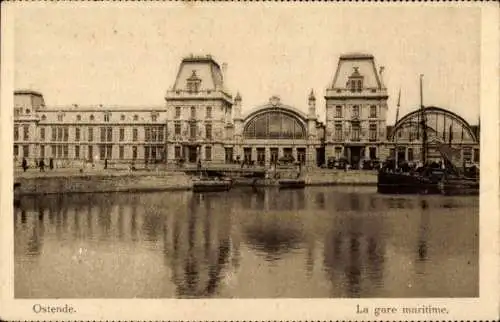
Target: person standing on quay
(24,164)
(42,165)
(51,164)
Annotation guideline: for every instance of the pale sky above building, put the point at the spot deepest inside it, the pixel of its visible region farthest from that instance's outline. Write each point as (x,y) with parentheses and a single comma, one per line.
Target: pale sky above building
(129,55)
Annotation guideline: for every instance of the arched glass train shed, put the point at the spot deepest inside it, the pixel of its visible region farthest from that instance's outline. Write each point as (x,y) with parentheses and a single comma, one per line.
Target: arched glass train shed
(442,126)
(275,131)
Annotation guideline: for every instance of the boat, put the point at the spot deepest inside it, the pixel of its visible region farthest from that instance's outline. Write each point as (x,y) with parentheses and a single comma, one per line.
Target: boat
(457,181)
(422,180)
(292,183)
(211,183)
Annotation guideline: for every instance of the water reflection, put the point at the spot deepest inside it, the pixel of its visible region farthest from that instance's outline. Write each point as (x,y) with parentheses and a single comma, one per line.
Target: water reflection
(331,242)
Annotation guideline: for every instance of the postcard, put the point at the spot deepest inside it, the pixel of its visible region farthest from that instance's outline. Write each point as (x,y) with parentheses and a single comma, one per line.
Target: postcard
(249,161)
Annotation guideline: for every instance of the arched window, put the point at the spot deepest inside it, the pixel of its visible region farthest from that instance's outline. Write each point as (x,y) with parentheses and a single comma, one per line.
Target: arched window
(274,125)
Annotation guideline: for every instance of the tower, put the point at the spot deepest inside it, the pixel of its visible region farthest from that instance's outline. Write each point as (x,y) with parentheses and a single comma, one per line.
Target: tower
(311,116)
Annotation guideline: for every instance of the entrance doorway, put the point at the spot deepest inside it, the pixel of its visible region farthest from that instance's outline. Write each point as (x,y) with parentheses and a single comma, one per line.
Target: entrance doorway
(356,153)
(274,155)
(192,154)
(301,155)
(320,156)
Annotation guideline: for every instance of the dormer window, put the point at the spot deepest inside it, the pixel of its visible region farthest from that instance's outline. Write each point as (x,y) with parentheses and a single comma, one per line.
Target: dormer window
(78,117)
(193,83)
(59,117)
(91,117)
(154,117)
(44,117)
(27,111)
(107,116)
(122,117)
(136,117)
(355,82)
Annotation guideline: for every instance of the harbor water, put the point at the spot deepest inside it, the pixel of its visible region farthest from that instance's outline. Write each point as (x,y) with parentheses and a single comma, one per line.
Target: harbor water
(317,242)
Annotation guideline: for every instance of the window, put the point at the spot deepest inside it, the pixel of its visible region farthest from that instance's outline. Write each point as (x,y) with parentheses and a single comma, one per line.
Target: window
(53,136)
(136,117)
(410,154)
(103,134)
(134,152)
(355,132)
(42,151)
(44,117)
(122,134)
(373,111)
(177,112)
(373,153)
(192,130)
(208,131)
(16,150)
(177,152)
(122,117)
(91,134)
(77,152)
(208,153)
(146,152)
(121,152)
(373,132)
(59,117)
(26,133)
(53,151)
(193,83)
(338,111)
(193,112)
(78,117)
(209,112)
(16,132)
(59,134)
(476,155)
(26,151)
(77,134)
(177,128)
(134,135)
(27,111)
(91,152)
(338,131)
(338,152)
(66,134)
(160,134)
(66,151)
(154,117)
(355,111)
(42,134)
(109,134)
(147,134)
(106,117)
(92,117)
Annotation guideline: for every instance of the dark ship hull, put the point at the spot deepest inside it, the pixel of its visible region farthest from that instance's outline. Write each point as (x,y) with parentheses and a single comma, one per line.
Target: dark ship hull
(459,186)
(405,183)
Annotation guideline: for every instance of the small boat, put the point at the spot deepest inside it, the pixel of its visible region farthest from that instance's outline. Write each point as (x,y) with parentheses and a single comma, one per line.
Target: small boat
(211,185)
(292,183)
(459,186)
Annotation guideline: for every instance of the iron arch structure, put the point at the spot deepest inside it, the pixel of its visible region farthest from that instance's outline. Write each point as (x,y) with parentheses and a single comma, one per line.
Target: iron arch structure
(275,123)
(441,125)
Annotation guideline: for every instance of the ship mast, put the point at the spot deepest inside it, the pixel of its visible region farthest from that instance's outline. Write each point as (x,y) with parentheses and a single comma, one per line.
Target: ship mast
(423,123)
(396,137)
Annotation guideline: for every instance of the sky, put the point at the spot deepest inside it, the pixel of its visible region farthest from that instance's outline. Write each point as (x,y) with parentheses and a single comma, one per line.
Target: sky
(129,55)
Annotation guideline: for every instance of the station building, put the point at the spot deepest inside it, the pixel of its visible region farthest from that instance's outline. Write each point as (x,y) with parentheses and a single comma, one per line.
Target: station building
(201,121)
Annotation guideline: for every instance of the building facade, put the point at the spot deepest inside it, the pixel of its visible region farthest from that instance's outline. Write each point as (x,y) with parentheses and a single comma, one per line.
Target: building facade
(202,122)
(356,109)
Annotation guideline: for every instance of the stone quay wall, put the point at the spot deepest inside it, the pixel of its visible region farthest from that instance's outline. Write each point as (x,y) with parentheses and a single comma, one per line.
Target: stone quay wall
(34,183)
(102,182)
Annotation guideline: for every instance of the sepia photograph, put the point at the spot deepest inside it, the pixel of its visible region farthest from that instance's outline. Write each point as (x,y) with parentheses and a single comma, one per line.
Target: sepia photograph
(228,151)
